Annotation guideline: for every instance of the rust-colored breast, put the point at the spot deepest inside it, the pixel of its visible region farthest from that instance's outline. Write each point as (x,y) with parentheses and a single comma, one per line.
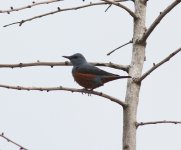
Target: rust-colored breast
(85,80)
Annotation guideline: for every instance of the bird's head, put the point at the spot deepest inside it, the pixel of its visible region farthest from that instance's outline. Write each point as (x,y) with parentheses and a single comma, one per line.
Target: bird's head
(76,59)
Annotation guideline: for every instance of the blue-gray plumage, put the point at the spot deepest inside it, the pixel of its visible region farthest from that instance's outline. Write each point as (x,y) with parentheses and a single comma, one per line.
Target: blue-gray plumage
(89,76)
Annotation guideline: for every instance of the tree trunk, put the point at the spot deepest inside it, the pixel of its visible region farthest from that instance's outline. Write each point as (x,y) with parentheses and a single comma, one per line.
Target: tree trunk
(133,89)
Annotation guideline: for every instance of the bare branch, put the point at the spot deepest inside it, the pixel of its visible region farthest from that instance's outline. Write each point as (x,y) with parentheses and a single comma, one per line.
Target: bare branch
(12,9)
(108,7)
(9,140)
(56,11)
(156,122)
(60,88)
(66,63)
(122,6)
(131,41)
(112,65)
(117,1)
(66,9)
(157,20)
(155,66)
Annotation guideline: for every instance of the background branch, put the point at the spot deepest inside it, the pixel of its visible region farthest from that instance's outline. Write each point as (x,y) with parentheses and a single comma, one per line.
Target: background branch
(12,9)
(56,11)
(157,20)
(9,140)
(155,66)
(116,1)
(60,88)
(122,6)
(157,122)
(68,9)
(131,41)
(66,63)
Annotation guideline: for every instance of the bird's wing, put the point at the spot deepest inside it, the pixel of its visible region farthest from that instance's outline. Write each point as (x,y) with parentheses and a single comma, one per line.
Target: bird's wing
(90,69)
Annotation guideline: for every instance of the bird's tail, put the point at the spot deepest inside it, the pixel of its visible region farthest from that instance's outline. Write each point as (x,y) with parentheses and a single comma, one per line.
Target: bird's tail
(110,78)
(121,77)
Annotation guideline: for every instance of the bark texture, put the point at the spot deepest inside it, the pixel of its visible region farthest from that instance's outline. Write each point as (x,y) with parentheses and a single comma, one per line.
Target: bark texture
(133,88)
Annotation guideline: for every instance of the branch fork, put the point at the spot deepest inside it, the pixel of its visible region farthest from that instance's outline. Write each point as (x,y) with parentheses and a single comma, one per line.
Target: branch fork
(158,19)
(155,66)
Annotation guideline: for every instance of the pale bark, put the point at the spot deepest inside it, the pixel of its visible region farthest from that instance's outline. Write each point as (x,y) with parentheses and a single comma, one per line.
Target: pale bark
(133,88)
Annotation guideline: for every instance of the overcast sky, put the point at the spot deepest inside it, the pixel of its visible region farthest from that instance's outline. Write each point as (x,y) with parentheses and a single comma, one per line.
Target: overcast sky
(64,120)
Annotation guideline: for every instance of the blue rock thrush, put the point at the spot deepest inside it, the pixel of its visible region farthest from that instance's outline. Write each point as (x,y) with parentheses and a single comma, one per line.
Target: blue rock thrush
(89,76)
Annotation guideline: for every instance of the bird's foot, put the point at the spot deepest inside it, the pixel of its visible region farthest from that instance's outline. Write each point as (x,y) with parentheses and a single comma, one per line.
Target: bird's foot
(87,91)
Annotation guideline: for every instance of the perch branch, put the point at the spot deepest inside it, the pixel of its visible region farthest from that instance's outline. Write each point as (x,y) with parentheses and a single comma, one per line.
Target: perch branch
(155,66)
(122,6)
(57,11)
(156,122)
(131,41)
(11,141)
(60,88)
(12,9)
(66,63)
(157,20)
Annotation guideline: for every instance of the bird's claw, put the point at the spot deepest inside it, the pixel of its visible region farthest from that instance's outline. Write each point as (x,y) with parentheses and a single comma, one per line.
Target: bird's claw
(87,91)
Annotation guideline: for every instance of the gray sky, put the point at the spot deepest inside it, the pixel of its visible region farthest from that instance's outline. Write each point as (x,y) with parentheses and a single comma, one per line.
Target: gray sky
(62,120)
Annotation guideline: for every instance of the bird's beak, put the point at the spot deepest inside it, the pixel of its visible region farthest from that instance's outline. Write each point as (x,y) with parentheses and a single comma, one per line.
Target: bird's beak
(68,57)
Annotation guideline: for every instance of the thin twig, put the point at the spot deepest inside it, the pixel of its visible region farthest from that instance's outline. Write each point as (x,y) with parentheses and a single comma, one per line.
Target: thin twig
(66,9)
(157,20)
(122,6)
(56,11)
(60,88)
(117,1)
(131,41)
(12,9)
(155,66)
(156,122)
(108,7)
(66,63)
(11,141)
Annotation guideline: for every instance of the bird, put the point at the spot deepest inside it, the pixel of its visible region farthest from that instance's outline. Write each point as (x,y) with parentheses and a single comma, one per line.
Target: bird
(89,76)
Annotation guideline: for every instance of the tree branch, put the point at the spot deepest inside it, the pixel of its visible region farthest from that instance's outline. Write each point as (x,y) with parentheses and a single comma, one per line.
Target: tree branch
(131,41)
(156,122)
(117,1)
(56,11)
(12,9)
(112,65)
(157,20)
(155,66)
(66,63)
(65,9)
(122,6)
(60,88)
(9,140)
